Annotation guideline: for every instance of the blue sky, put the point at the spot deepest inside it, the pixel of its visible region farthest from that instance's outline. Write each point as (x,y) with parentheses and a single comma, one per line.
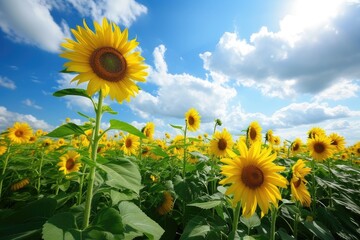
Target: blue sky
(290,65)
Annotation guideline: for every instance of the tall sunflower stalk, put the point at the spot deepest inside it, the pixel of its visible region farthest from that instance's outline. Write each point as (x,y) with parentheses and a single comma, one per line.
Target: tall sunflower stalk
(108,62)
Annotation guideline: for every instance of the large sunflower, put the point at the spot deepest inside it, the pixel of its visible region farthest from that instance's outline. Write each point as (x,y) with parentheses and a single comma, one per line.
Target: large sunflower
(105,59)
(70,162)
(320,147)
(221,144)
(254,178)
(192,118)
(20,133)
(131,145)
(296,146)
(298,183)
(316,131)
(254,132)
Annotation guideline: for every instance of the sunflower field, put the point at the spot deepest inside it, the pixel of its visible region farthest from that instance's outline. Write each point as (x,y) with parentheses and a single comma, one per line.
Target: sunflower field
(83,182)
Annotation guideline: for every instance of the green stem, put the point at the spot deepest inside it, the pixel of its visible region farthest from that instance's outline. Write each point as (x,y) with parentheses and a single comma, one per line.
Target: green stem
(274,212)
(4,169)
(185,150)
(331,204)
(94,147)
(81,185)
(235,221)
(296,221)
(40,169)
(313,187)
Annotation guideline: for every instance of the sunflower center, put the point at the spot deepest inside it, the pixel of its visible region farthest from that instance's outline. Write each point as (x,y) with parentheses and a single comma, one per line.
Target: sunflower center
(108,64)
(297,183)
(191,120)
(19,133)
(70,163)
(252,133)
(319,147)
(334,142)
(252,176)
(128,143)
(222,144)
(295,147)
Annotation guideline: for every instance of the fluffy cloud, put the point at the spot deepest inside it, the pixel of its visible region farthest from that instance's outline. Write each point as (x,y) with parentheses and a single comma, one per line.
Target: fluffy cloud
(7,119)
(7,83)
(299,58)
(122,12)
(31,103)
(178,92)
(27,21)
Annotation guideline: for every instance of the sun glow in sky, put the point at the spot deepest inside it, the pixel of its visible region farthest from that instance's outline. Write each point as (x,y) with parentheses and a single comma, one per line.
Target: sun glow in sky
(290,65)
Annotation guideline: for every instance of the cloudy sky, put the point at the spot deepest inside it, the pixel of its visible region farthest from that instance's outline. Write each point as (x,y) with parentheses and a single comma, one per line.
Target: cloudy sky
(290,65)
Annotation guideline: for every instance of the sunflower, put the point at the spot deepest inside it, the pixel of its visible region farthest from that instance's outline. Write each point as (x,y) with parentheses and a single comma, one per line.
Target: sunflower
(320,147)
(178,145)
(254,132)
(131,145)
(254,178)
(316,131)
(298,183)
(105,59)
(337,141)
(3,149)
(20,184)
(296,146)
(20,133)
(192,119)
(269,136)
(149,130)
(167,204)
(221,144)
(70,162)
(356,150)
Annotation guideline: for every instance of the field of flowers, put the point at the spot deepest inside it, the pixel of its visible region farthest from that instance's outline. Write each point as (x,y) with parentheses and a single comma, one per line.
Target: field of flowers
(83,182)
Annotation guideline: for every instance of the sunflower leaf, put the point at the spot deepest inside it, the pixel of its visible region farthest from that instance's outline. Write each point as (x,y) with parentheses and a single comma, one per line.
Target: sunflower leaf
(134,217)
(71,92)
(108,109)
(176,126)
(66,130)
(119,125)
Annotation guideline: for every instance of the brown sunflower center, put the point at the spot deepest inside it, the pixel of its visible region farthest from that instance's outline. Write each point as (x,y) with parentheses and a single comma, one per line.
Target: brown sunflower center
(358,150)
(297,183)
(252,176)
(128,143)
(296,147)
(108,63)
(252,133)
(334,142)
(191,120)
(319,147)
(70,163)
(222,144)
(19,133)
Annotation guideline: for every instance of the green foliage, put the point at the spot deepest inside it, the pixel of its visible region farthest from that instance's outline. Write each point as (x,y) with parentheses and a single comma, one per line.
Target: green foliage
(66,130)
(119,125)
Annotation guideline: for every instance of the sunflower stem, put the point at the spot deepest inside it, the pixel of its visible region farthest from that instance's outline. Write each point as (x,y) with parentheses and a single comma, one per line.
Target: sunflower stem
(235,222)
(4,169)
(274,212)
(94,147)
(313,187)
(81,186)
(40,169)
(296,220)
(331,204)
(185,149)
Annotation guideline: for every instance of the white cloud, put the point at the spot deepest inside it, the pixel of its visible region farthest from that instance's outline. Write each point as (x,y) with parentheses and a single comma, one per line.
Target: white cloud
(30,22)
(177,93)
(7,83)
(121,12)
(7,119)
(339,90)
(31,103)
(299,58)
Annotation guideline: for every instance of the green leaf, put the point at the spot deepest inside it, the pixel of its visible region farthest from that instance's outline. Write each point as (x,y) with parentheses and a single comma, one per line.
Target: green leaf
(133,216)
(71,92)
(158,151)
(206,205)
(108,109)
(122,174)
(61,226)
(197,228)
(87,117)
(119,125)
(252,221)
(176,126)
(318,230)
(66,130)
(66,71)
(109,220)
